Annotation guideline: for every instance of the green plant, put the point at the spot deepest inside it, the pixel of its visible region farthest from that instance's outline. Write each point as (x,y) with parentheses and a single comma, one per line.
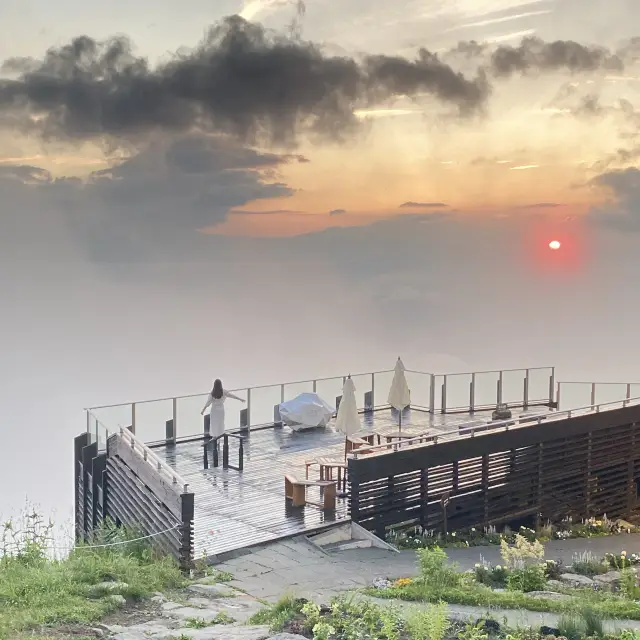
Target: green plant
(430,623)
(586,564)
(276,616)
(593,622)
(491,576)
(522,552)
(323,631)
(196,623)
(629,634)
(571,627)
(530,577)
(434,568)
(629,584)
(473,631)
(222,617)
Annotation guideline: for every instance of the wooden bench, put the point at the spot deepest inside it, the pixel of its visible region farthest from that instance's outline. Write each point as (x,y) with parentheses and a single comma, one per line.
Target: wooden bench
(296,491)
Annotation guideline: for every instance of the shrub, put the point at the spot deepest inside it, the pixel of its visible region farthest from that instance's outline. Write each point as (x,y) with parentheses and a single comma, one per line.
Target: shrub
(530,577)
(435,570)
(429,623)
(586,564)
(491,576)
(553,569)
(522,552)
(629,584)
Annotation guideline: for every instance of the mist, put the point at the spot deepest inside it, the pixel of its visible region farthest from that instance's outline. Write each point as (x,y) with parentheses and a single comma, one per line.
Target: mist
(447,295)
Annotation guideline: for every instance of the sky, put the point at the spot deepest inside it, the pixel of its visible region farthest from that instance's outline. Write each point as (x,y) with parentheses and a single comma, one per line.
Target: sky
(276,190)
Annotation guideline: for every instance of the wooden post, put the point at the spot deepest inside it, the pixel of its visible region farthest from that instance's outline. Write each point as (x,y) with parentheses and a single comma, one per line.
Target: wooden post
(186,531)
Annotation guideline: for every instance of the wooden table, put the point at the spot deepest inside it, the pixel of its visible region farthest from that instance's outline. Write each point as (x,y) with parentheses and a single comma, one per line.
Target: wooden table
(327,466)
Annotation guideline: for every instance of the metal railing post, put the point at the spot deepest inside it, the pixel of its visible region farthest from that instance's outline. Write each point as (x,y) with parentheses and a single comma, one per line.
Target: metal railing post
(472,394)
(88,420)
(175,419)
(499,390)
(525,395)
(133,417)
(373,393)
(558,396)
(443,408)
(552,384)
(432,394)
(281,393)
(628,391)
(315,386)
(249,408)
(593,394)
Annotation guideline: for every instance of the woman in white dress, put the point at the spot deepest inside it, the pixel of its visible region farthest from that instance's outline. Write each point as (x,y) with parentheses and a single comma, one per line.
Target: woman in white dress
(215,400)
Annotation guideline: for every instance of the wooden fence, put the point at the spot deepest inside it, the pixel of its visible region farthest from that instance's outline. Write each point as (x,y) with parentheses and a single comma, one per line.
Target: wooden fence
(580,467)
(121,485)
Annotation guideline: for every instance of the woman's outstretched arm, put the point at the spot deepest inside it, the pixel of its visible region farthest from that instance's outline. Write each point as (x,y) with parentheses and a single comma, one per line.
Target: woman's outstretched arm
(228,394)
(207,403)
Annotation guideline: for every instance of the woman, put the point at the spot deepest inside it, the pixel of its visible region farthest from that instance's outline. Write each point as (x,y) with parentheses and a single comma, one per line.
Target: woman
(216,399)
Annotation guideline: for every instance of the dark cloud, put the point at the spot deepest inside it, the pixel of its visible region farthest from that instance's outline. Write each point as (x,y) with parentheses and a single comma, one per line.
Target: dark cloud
(533,55)
(422,205)
(622,211)
(337,212)
(153,203)
(240,79)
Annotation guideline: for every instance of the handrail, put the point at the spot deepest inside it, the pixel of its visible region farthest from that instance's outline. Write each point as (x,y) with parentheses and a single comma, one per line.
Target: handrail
(149,456)
(619,384)
(311,380)
(470,373)
(240,389)
(492,426)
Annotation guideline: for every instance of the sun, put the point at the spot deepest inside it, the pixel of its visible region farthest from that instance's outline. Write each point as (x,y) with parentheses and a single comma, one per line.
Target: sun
(555,245)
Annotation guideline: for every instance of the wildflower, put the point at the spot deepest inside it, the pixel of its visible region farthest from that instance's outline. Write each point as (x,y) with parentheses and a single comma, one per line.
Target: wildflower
(478,565)
(623,553)
(498,567)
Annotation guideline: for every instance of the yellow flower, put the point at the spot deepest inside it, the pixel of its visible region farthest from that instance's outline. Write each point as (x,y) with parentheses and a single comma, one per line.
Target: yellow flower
(402,582)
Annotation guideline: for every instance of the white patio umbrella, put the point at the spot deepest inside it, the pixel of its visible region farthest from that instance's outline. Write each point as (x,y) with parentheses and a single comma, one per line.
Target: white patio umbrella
(399,394)
(348,419)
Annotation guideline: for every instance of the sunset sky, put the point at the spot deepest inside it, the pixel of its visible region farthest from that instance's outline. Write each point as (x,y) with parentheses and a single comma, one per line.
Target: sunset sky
(308,193)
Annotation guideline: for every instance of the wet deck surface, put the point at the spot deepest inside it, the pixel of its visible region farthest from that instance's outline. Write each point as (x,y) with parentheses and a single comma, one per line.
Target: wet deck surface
(238,509)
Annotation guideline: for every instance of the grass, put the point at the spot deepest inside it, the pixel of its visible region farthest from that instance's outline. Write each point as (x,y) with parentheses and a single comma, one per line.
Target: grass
(481,596)
(37,592)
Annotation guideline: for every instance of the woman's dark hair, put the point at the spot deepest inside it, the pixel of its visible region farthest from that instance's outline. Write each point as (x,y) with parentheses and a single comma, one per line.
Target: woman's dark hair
(217,391)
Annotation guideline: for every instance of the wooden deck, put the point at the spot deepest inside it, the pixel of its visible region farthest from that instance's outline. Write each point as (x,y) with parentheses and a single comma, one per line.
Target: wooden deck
(238,509)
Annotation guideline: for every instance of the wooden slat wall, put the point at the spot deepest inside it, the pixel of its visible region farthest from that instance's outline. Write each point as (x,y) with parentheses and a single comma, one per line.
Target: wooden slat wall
(121,485)
(576,467)
(137,495)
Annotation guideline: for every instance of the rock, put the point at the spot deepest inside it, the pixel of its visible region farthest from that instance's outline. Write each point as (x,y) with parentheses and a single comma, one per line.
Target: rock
(170,606)
(549,595)
(491,626)
(158,598)
(158,631)
(555,584)
(106,588)
(212,590)
(382,583)
(549,631)
(609,578)
(576,580)
(287,636)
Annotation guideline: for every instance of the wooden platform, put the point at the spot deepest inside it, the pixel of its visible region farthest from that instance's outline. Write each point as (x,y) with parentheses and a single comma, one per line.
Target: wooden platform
(238,509)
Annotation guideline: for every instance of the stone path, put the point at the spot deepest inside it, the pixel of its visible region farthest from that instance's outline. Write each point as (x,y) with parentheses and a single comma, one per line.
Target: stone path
(299,568)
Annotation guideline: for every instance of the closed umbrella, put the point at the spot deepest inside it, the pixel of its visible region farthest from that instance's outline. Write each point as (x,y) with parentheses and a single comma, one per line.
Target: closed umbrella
(399,394)
(348,419)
